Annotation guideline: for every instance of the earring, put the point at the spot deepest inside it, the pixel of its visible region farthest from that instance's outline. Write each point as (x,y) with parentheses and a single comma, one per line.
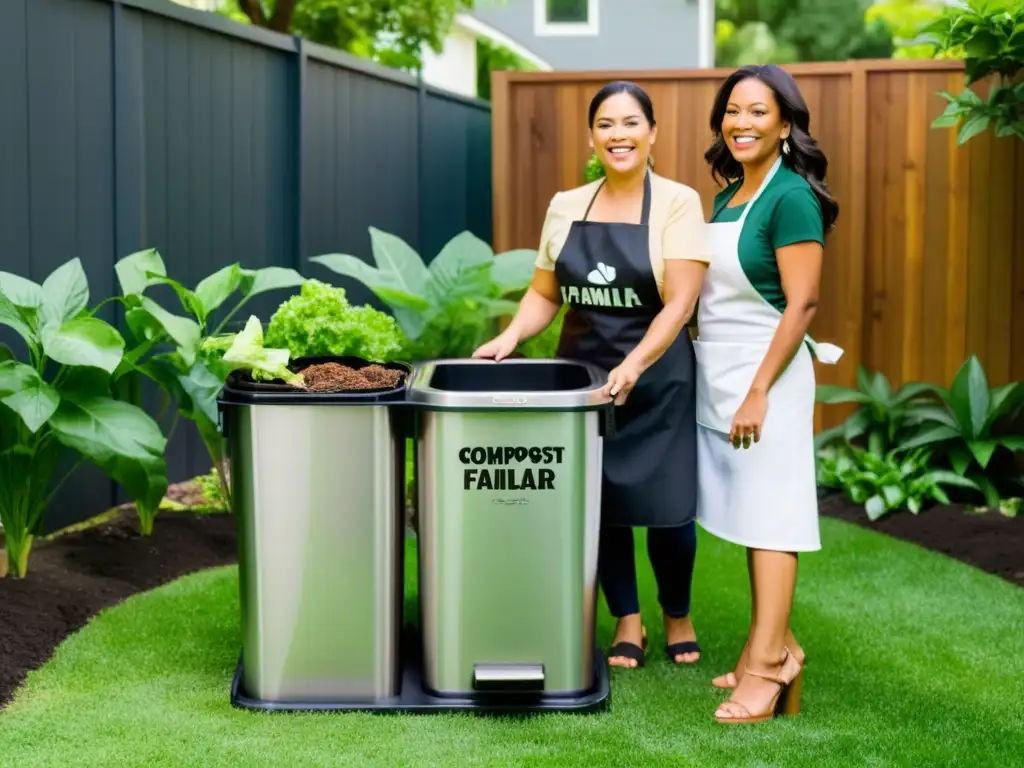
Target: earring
(785,146)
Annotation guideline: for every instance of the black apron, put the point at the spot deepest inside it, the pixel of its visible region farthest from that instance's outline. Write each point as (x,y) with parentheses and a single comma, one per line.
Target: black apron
(650,462)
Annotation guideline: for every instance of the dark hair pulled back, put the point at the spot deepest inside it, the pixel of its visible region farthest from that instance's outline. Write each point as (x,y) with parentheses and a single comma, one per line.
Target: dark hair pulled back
(623,86)
(804,157)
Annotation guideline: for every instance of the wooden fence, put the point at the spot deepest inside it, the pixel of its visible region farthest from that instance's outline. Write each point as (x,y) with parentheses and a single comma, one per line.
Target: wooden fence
(926,264)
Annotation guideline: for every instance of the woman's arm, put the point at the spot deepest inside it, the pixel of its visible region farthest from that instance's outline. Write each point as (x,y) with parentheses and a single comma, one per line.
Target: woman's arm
(800,270)
(798,241)
(684,252)
(683,280)
(538,307)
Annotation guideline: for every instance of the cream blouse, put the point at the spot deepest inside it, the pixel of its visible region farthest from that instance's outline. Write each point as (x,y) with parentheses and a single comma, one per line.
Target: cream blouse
(676,223)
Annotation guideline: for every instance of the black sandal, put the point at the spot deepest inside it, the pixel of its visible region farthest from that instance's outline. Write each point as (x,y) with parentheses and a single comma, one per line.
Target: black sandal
(632,651)
(678,649)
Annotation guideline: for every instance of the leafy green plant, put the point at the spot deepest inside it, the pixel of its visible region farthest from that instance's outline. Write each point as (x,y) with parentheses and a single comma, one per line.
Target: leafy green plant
(321,321)
(593,170)
(989,34)
(545,344)
(889,482)
(966,426)
(62,398)
(210,488)
(447,308)
(193,371)
(882,417)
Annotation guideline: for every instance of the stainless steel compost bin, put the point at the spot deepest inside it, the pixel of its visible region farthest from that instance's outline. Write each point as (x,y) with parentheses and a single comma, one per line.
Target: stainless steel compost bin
(317,490)
(509,471)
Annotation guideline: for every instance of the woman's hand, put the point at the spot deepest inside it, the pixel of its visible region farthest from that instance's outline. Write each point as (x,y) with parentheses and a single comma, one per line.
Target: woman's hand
(747,422)
(500,347)
(621,380)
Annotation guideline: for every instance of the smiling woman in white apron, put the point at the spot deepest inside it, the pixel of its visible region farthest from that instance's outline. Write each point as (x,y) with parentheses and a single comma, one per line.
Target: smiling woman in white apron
(626,254)
(756,383)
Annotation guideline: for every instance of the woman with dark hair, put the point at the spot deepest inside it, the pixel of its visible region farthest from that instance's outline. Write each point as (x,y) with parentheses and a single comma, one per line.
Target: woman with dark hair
(755,374)
(625,253)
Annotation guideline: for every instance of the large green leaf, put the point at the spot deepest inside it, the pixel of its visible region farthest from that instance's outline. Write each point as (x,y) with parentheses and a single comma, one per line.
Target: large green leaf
(21,291)
(394,256)
(940,414)
(214,290)
(11,316)
(969,396)
(982,451)
(202,387)
(189,301)
(182,330)
(913,390)
(84,341)
(99,427)
(1004,400)
(133,271)
(512,271)
(1013,442)
(25,392)
(930,435)
(256,281)
(460,270)
(65,293)
(831,394)
(145,480)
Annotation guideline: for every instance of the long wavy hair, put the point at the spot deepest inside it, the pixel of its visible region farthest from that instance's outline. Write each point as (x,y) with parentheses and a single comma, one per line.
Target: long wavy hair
(804,157)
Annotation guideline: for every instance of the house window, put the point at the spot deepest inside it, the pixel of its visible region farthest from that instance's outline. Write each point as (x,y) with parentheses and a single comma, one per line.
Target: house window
(565,18)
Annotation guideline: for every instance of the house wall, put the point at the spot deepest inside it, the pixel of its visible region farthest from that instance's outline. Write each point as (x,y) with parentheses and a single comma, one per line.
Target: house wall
(455,68)
(631,34)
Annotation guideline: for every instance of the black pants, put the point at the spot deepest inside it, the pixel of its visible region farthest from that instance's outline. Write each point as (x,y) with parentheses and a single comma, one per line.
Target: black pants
(672,552)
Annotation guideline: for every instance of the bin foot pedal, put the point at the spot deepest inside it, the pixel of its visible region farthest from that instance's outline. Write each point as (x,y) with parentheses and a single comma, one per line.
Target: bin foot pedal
(508,678)
(506,689)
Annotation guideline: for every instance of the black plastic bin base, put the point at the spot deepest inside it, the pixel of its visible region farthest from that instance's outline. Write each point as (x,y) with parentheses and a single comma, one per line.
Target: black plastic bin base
(414,700)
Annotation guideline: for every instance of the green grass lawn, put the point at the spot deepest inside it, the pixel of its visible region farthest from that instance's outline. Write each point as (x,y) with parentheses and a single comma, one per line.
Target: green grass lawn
(914,660)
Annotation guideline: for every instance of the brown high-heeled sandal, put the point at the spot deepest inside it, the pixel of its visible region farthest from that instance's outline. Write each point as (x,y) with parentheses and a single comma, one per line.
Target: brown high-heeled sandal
(731,681)
(785,702)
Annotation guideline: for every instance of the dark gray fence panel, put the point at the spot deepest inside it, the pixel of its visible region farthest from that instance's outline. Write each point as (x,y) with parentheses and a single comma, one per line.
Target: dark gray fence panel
(361,164)
(457,138)
(127,124)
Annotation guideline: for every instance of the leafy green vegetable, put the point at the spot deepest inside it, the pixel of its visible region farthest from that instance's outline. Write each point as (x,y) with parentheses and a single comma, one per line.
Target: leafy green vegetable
(247,352)
(72,408)
(321,321)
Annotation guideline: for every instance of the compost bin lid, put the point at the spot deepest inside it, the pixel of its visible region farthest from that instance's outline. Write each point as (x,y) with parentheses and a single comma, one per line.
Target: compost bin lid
(520,383)
(240,388)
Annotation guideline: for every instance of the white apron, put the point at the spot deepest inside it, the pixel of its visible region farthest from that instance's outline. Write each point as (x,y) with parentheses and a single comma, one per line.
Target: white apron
(764,496)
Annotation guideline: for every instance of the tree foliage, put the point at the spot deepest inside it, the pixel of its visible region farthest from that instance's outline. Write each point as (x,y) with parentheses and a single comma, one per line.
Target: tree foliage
(785,31)
(989,36)
(390,32)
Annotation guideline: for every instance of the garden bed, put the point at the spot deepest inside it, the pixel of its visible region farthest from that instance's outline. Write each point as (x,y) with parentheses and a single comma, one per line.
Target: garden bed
(989,540)
(74,576)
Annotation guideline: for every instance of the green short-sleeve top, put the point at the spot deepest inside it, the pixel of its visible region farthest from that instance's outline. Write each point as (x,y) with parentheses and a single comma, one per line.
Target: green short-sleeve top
(787,212)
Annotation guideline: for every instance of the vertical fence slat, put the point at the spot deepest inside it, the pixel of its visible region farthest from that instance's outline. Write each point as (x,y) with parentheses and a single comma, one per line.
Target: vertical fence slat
(908,269)
(141,123)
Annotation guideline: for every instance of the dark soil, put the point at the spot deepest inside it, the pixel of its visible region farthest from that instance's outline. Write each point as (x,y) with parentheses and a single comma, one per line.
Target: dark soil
(335,377)
(989,540)
(74,576)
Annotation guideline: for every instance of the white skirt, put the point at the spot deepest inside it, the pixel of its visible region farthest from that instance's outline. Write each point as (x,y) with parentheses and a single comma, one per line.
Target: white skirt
(765,496)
